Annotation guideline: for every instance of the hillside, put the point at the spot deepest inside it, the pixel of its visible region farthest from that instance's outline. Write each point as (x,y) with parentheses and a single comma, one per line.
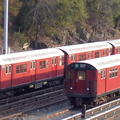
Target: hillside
(41,24)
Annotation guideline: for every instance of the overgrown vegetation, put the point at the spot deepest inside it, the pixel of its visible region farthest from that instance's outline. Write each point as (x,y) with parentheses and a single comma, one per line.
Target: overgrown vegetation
(34,19)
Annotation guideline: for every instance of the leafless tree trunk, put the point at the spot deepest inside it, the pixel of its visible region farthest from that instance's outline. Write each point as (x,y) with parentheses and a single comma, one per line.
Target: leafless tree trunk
(39,15)
(117,22)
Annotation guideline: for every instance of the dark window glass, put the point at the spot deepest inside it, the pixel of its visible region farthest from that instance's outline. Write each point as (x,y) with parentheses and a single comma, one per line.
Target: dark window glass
(21,68)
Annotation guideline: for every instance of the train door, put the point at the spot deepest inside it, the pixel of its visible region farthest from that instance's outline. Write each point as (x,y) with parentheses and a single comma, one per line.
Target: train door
(54,66)
(60,65)
(6,76)
(80,82)
(72,58)
(32,70)
(69,82)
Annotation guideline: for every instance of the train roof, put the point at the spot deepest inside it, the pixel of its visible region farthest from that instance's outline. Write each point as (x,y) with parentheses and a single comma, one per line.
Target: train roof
(115,43)
(29,55)
(71,49)
(103,62)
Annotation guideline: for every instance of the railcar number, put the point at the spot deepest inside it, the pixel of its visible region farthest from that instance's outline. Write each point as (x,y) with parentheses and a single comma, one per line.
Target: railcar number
(82,65)
(38,85)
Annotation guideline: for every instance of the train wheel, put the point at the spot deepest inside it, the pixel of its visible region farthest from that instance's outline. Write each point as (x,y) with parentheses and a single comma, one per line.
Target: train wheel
(95,104)
(10,93)
(3,95)
(73,102)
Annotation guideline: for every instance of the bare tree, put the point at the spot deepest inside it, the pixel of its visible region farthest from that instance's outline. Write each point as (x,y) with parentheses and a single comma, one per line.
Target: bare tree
(39,14)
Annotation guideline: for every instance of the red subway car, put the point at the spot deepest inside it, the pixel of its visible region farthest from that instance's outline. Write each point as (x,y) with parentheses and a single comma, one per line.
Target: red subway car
(115,46)
(45,67)
(31,69)
(93,81)
(86,51)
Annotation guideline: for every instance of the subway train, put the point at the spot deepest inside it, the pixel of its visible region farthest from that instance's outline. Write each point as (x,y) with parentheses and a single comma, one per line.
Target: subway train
(38,69)
(93,82)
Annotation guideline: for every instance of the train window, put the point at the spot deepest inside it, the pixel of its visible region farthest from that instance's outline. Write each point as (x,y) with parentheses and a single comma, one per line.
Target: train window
(103,74)
(105,52)
(21,68)
(113,73)
(54,61)
(116,72)
(24,68)
(118,49)
(8,69)
(73,56)
(46,63)
(97,54)
(43,64)
(89,55)
(110,51)
(17,69)
(32,65)
(81,75)
(61,60)
(82,57)
(40,64)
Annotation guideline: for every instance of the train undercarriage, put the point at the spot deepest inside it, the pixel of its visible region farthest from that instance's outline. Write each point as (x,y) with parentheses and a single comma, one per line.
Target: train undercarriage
(30,87)
(93,101)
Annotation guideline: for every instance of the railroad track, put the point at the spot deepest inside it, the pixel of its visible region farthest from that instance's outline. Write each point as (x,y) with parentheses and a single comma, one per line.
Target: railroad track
(31,101)
(29,95)
(106,111)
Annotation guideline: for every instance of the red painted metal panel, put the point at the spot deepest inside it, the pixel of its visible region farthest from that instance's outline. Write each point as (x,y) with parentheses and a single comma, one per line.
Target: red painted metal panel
(80,85)
(31,73)
(101,51)
(22,78)
(77,86)
(5,78)
(91,80)
(112,83)
(70,82)
(108,84)
(60,67)
(114,50)
(45,73)
(67,59)
(101,84)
